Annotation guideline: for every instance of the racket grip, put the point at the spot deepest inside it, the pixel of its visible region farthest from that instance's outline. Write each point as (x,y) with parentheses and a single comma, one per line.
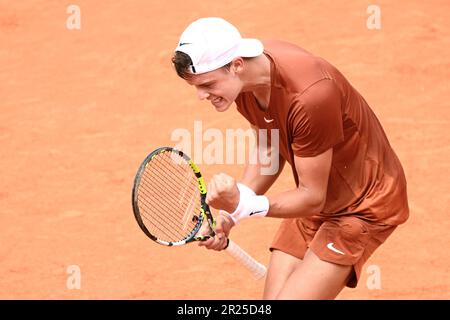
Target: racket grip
(257,269)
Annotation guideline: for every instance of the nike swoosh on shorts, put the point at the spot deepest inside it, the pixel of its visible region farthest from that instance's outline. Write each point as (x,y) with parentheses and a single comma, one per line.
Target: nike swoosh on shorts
(332,248)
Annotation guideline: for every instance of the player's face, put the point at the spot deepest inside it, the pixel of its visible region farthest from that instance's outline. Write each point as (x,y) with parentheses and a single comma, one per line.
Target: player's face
(221,87)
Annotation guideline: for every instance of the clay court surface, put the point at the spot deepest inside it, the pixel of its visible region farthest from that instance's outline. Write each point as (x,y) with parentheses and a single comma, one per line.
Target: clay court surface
(80,109)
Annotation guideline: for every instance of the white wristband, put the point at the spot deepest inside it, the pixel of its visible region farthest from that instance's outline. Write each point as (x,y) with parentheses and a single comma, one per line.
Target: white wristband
(250,205)
(244,190)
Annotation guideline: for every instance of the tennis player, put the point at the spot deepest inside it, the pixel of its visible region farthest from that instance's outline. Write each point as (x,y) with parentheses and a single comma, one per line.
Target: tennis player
(350,189)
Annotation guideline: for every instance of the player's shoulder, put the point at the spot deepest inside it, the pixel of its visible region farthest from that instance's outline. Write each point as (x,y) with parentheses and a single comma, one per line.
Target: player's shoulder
(296,69)
(281,50)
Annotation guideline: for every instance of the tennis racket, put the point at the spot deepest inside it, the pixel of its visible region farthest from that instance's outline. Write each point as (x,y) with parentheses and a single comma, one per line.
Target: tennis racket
(169,204)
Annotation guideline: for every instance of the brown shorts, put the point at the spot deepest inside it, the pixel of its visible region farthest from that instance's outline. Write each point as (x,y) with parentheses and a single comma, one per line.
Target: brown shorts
(344,240)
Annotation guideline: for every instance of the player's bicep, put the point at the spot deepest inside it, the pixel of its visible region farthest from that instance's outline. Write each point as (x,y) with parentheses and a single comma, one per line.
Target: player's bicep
(313,174)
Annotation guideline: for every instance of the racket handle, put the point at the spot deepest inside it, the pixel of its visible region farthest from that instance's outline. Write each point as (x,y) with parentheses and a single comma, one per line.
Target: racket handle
(257,269)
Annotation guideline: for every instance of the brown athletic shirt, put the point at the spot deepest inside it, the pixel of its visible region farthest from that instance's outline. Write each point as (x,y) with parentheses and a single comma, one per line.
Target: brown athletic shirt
(315,108)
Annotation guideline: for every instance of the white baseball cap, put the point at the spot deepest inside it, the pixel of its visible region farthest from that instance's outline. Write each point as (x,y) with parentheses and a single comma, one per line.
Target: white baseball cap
(211,43)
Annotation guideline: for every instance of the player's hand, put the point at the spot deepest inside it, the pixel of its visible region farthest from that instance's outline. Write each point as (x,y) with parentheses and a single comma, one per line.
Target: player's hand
(223,227)
(223,193)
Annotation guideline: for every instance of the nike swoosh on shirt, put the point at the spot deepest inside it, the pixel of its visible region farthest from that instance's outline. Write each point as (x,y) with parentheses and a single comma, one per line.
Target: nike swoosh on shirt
(184,43)
(268,120)
(332,248)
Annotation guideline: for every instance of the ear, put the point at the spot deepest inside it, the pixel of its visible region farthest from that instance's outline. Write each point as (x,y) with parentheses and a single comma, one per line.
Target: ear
(237,65)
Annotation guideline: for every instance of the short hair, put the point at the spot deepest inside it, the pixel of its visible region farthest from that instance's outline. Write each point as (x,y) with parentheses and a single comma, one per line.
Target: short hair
(183,63)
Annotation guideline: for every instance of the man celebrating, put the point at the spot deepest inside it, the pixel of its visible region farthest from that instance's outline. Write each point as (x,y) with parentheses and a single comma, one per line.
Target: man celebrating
(351,189)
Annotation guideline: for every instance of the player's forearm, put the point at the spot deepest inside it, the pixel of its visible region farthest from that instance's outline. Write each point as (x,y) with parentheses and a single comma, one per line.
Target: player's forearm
(264,166)
(259,183)
(300,202)
(296,203)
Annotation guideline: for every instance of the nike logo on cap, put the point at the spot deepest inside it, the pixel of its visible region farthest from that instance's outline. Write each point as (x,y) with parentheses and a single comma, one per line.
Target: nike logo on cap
(184,43)
(268,120)
(332,248)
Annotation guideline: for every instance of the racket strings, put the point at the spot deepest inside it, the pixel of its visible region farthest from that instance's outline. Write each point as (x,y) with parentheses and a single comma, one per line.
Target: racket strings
(188,185)
(161,208)
(159,221)
(187,202)
(185,175)
(163,212)
(169,198)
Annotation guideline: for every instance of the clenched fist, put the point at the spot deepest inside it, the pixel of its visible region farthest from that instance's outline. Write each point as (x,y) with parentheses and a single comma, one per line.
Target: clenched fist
(223,193)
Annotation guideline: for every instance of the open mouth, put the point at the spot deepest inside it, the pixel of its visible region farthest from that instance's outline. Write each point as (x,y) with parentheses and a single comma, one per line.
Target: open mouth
(216,100)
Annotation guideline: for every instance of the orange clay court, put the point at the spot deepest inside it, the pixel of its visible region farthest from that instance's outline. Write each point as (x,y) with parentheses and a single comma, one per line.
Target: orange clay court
(80,109)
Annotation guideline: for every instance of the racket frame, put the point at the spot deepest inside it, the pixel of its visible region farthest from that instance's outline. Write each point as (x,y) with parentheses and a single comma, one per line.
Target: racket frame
(204,214)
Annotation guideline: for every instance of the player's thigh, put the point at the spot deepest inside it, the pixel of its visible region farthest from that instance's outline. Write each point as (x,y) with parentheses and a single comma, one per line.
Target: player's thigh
(315,279)
(280,268)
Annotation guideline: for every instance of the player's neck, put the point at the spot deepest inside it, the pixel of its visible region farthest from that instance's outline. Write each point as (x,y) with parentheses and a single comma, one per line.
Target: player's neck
(257,74)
